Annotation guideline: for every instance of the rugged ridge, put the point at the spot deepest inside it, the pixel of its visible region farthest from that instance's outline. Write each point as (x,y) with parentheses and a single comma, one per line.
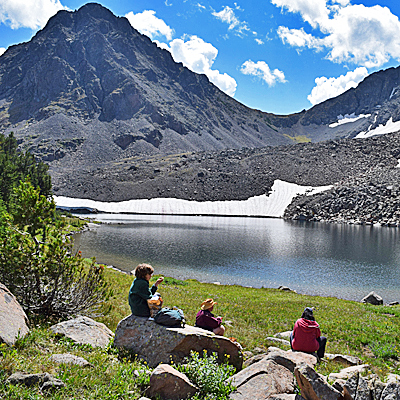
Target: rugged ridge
(89,76)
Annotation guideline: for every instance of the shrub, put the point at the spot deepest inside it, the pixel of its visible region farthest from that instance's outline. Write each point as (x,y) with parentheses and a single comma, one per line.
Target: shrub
(37,264)
(209,376)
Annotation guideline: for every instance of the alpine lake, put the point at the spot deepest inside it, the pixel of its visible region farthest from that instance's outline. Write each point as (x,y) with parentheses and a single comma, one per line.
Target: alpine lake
(345,261)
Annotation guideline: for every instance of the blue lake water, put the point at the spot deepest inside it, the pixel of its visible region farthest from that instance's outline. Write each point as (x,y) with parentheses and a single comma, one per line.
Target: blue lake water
(345,261)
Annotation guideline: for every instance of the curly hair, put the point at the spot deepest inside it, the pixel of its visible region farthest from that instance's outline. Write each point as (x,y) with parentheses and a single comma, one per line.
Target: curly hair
(142,270)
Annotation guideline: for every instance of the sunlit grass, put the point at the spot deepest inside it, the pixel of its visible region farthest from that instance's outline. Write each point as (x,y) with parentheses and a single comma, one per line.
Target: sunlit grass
(371,333)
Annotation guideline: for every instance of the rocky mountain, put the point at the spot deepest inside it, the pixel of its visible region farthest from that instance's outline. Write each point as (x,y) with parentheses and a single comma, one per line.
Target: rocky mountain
(116,118)
(89,88)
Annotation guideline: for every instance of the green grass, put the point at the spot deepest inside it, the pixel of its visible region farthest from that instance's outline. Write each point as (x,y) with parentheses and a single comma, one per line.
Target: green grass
(371,333)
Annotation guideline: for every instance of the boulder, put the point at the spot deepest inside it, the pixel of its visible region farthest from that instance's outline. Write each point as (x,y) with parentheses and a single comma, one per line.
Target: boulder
(278,340)
(372,298)
(393,378)
(84,330)
(286,397)
(261,380)
(343,359)
(13,320)
(46,381)
(283,335)
(160,344)
(67,358)
(290,359)
(391,392)
(313,385)
(377,387)
(346,373)
(356,387)
(170,384)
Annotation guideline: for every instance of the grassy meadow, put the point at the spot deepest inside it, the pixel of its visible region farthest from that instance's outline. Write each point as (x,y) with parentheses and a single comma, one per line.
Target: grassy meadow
(371,333)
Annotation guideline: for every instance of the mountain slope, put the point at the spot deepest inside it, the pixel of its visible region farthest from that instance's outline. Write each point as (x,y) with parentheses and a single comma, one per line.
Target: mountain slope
(88,81)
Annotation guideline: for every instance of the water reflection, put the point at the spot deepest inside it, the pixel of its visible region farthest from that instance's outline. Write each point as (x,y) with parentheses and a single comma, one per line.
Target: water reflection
(340,260)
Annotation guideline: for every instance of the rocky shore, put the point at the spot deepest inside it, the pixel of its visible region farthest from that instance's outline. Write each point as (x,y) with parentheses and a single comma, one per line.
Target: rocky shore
(364,173)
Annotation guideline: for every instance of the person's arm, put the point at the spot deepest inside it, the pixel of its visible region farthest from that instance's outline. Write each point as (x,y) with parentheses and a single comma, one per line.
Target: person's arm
(155,286)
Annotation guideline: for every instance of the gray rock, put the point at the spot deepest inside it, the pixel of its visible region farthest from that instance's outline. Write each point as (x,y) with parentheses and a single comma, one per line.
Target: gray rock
(290,359)
(170,384)
(13,320)
(159,344)
(372,298)
(346,373)
(46,381)
(278,340)
(339,385)
(356,388)
(393,378)
(286,397)
(52,385)
(67,358)
(261,380)
(391,392)
(283,335)
(343,359)
(84,330)
(313,385)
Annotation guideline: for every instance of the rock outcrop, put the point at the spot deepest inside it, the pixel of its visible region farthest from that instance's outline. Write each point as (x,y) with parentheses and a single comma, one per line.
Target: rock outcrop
(84,330)
(13,320)
(170,384)
(261,380)
(159,344)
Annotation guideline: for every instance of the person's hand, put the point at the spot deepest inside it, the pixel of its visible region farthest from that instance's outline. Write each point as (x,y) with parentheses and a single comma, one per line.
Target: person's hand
(159,280)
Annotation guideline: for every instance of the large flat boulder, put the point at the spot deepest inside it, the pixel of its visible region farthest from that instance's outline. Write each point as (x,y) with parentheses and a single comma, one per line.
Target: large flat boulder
(261,380)
(13,320)
(84,330)
(158,344)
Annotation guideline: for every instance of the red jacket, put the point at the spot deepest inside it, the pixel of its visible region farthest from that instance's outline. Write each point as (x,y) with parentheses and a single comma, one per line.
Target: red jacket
(305,334)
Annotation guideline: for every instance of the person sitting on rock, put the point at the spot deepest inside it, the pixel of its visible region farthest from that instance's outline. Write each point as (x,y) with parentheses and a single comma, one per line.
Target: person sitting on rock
(140,291)
(206,320)
(306,335)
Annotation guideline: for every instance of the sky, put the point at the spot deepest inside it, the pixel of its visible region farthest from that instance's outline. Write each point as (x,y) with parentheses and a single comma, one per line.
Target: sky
(279,56)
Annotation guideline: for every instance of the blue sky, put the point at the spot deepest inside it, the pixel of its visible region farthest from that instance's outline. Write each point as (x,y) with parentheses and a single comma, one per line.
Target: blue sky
(278,56)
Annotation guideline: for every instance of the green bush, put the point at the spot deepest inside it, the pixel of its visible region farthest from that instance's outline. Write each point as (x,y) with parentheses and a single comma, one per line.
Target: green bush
(37,264)
(209,376)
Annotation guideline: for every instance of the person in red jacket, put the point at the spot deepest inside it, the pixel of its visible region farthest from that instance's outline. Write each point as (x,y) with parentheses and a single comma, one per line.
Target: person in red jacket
(306,335)
(205,318)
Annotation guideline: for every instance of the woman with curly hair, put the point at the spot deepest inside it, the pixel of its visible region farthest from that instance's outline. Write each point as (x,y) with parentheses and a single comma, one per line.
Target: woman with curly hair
(140,290)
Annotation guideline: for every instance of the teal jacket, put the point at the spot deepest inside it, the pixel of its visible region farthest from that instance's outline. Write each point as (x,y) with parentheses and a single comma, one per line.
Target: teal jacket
(139,293)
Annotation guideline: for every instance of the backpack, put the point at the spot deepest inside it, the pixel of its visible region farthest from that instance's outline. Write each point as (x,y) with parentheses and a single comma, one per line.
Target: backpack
(170,317)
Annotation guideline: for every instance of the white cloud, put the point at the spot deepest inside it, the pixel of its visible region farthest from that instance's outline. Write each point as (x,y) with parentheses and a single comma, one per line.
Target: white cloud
(227,15)
(299,38)
(259,41)
(199,57)
(28,13)
(367,36)
(148,24)
(327,88)
(2,50)
(263,71)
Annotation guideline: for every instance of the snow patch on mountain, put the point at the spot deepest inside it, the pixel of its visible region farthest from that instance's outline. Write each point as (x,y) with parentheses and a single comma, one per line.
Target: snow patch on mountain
(272,204)
(347,118)
(383,129)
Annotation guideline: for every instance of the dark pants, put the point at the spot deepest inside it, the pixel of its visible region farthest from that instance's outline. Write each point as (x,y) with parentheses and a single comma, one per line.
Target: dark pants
(322,344)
